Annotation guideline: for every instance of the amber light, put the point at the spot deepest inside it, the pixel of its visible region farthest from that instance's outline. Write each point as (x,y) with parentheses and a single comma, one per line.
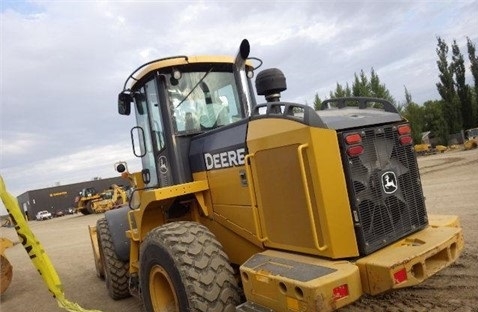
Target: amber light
(341,291)
(400,276)
(353,138)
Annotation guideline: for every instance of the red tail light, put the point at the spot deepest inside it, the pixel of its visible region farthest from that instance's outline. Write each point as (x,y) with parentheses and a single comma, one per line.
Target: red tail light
(400,276)
(404,129)
(353,138)
(341,291)
(355,150)
(404,140)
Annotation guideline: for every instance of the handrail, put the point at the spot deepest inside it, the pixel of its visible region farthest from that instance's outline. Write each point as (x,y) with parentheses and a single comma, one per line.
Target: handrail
(300,152)
(250,186)
(361,101)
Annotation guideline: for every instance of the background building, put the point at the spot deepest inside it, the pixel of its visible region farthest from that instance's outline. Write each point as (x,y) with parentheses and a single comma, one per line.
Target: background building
(60,197)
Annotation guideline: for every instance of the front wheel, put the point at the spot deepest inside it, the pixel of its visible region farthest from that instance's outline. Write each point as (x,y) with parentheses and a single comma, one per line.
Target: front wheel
(183,268)
(89,208)
(114,270)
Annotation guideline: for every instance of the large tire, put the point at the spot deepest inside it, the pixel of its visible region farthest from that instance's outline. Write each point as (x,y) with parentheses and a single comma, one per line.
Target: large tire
(115,271)
(89,207)
(84,211)
(183,268)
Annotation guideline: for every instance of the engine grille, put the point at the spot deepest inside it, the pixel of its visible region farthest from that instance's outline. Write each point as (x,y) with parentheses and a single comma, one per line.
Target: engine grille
(384,186)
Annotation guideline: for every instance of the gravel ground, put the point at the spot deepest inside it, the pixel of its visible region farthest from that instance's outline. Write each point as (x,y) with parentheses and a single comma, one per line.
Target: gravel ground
(450,184)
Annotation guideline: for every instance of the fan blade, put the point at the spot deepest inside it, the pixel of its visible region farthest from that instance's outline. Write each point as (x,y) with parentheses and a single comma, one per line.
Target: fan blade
(384,149)
(361,174)
(398,167)
(366,194)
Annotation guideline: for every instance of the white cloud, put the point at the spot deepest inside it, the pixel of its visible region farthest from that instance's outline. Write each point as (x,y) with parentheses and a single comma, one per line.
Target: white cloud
(19,143)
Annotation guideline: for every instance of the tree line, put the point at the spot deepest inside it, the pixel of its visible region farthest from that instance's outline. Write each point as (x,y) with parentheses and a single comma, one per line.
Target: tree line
(457,109)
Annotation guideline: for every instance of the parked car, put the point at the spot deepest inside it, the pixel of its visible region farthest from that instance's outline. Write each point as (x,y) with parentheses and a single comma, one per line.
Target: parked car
(59,213)
(43,215)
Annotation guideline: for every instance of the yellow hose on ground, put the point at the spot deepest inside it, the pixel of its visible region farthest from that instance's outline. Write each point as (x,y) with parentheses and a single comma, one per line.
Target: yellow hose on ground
(35,251)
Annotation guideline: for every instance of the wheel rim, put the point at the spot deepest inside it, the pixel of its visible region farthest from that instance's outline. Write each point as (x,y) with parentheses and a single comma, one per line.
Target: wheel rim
(161,291)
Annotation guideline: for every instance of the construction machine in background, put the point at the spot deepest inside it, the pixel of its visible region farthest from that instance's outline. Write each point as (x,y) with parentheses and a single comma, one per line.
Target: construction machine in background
(264,207)
(89,201)
(471,138)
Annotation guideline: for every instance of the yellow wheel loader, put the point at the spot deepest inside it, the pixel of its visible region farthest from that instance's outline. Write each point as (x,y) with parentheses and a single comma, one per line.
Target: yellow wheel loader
(471,139)
(246,206)
(89,201)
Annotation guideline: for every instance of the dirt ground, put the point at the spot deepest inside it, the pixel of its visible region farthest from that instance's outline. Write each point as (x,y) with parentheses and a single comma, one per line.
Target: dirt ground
(450,183)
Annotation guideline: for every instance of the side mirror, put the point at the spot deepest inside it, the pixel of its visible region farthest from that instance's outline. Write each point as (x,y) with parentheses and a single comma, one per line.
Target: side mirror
(124,103)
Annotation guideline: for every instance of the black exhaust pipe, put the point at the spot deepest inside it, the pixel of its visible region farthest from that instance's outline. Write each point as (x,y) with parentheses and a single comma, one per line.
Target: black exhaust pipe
(242,54)
(247,99)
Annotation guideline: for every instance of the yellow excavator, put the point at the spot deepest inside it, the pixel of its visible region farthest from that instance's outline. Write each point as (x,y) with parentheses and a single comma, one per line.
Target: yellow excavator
(273,206)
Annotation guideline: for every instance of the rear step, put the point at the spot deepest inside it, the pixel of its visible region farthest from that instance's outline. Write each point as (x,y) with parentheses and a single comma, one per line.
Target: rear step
(413,259)
(279,281)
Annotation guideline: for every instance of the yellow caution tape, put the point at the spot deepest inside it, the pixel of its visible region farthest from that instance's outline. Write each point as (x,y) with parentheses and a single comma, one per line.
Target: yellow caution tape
(37,255)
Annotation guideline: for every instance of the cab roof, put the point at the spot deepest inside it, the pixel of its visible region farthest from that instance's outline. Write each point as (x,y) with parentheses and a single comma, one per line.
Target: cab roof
(179,60)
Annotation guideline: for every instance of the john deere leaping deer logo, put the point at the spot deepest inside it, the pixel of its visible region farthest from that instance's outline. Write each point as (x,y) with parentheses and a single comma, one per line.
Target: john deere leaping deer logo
(389,182)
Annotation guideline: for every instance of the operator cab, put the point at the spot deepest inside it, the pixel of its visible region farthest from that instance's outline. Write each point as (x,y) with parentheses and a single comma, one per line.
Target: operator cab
(87,192)
(178,98)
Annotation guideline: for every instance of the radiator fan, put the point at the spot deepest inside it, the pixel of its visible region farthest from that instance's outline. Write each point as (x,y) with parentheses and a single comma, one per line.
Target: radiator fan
(376,175)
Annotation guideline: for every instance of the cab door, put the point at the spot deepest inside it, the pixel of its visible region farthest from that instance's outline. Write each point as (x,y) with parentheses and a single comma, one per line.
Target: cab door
(150,133)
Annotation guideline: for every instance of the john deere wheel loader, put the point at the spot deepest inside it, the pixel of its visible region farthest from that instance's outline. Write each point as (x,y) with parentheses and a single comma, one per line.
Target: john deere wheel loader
(264,207)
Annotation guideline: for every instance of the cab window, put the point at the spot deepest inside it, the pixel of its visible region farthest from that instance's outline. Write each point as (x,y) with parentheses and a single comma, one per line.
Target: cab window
(201,101)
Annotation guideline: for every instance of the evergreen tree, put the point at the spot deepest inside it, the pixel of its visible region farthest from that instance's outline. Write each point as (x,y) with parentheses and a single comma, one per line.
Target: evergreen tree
(474,72)
(446,89)
(317,102)
(348,90)
(434,120)
(408,97)
(462,89)
(378,89)
(361,86)
(340,91)
(414,113)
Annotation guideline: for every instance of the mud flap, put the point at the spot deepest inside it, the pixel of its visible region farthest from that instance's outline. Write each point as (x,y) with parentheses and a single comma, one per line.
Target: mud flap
(118,225)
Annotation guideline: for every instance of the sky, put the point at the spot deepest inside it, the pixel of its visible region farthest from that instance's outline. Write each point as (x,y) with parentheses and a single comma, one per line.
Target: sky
(63,63)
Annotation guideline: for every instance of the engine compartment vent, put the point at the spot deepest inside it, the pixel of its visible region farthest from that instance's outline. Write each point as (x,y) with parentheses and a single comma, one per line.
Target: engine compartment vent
(384,185)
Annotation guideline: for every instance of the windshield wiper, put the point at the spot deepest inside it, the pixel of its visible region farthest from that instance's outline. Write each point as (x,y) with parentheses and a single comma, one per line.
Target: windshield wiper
(195,86)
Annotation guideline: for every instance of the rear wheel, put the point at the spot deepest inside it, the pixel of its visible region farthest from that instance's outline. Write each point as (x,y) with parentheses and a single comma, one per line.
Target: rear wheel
(183,268)
(115,271)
